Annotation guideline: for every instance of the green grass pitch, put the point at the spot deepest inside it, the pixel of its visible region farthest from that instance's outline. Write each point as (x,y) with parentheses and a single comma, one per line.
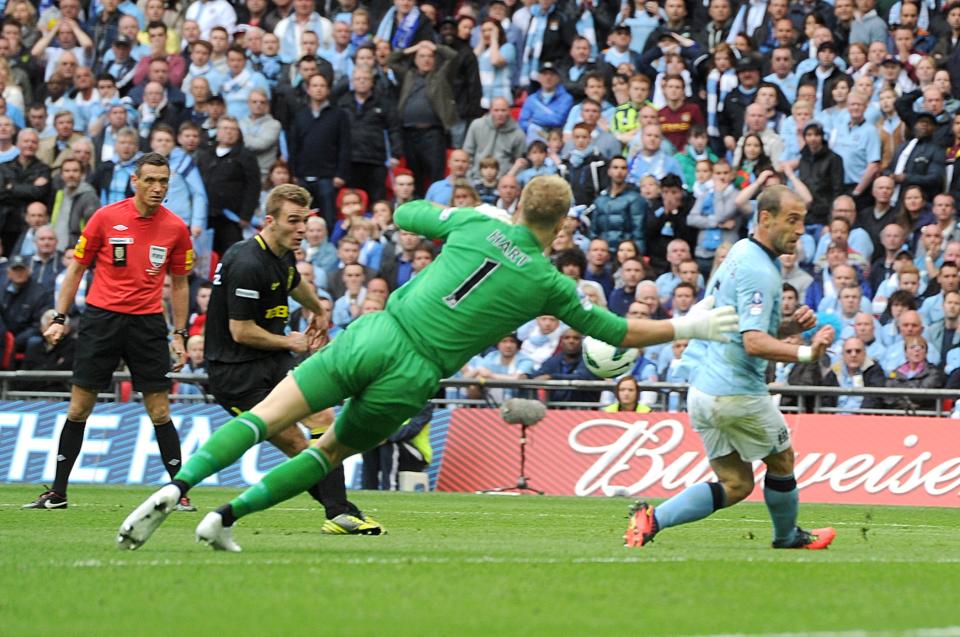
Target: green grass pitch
(472,565)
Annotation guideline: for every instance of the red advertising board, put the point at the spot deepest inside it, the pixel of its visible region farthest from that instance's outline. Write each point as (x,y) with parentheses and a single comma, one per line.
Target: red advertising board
(840,459)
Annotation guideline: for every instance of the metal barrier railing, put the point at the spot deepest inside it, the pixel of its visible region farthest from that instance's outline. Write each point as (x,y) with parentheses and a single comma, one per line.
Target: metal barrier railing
(809,399)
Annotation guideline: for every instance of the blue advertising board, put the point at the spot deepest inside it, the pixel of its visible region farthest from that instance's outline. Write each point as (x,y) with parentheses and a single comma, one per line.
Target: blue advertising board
(120,448)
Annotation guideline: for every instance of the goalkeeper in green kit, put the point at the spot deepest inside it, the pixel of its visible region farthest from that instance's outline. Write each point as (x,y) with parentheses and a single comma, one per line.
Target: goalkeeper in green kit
(490,278)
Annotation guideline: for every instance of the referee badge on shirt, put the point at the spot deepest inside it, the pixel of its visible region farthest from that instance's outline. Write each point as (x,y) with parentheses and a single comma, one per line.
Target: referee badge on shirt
(756,304)
(118,246)
(158,254)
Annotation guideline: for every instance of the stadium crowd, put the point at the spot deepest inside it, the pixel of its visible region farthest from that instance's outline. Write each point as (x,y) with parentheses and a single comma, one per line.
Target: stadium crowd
(667,118)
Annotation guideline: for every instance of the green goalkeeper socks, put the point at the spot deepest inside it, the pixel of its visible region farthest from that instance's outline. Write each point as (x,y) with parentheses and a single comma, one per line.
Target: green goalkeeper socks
(287,480)
(223,448)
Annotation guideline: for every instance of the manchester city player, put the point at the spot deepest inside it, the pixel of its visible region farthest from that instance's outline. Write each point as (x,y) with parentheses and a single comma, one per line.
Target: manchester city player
(728,402)
(491,278)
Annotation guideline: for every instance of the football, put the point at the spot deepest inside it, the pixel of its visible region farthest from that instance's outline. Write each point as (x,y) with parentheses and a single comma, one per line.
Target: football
(607,361)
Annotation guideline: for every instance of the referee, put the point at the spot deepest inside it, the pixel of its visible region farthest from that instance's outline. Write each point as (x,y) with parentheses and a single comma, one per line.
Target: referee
(247,350)
(132,244)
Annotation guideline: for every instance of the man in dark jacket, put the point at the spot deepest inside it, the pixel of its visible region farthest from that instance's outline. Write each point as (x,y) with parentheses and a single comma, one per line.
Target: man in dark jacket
(289,99)
(920,161)
(426,108)
(730,119)
(23,301)
(620,211)
(574,68)
(466,86)
(667,222)
(857,369)
(232,177)
(374,135)
(22,180)
(930,100)
(567,364)
(320,148)
(821,170)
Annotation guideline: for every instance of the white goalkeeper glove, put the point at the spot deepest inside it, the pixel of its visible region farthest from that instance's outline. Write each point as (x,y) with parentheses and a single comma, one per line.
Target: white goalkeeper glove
(705,322)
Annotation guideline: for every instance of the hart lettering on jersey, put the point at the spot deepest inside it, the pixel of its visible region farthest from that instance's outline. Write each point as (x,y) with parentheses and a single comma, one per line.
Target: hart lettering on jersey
(505,245)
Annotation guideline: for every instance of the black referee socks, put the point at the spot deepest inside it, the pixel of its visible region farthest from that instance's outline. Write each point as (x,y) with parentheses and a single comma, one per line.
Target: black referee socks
(71,439)
(169,442)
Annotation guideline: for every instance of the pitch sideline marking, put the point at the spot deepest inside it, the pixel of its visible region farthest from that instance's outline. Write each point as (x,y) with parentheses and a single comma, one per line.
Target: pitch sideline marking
(424,559)
(944,631)
(711,520)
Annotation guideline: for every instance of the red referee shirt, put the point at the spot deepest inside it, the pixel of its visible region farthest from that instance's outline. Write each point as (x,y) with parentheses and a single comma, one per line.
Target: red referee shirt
(132,255)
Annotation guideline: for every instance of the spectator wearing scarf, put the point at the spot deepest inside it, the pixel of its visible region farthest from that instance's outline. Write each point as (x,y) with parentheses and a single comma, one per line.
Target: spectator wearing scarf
(303,19)
(404,25)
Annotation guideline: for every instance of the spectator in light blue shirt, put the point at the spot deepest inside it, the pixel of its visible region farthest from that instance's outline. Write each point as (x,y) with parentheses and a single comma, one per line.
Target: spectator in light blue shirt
(441,191)
(652,159)
(506,362)
(242,79)
(783,75)
(496,59)
(931,310)
(858,144)
(186,196)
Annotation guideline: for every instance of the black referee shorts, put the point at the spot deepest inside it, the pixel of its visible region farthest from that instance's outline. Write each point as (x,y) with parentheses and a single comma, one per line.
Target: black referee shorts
(238,387)
(140,340)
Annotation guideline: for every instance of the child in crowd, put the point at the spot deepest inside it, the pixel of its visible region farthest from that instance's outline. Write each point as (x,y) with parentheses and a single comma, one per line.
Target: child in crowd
(359,28)
(555,145)
(541,338)
(270,62)
(279,173)
(347,308)
(351,210)
(486,186)
(650,189)
(363,230)
(697,150)
(703,173)
(720,80)
(422,257)
(383,217)
(199,318)
(195,365)
(620,87)
(538,162)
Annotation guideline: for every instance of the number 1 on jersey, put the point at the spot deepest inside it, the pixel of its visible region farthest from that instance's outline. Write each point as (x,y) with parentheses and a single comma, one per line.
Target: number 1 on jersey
(477,277)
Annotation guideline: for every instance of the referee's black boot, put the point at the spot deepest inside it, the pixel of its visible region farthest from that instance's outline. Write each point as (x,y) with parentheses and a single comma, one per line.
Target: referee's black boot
(48,500)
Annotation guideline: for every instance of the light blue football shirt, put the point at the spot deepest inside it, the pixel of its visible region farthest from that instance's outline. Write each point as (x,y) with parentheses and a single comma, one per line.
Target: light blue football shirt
(749,279)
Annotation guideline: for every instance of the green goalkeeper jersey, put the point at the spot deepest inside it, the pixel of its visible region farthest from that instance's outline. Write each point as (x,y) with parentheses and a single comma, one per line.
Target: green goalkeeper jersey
(490,279)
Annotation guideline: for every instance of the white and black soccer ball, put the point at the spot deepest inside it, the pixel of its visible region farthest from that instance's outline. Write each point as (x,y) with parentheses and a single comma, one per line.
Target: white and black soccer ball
(607,361)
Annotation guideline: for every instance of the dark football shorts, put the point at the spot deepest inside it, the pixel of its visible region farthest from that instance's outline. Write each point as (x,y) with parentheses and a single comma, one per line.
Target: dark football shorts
(106,337)
(237,387)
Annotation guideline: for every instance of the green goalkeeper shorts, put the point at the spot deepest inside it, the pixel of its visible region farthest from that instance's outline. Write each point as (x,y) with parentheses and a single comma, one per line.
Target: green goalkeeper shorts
(374,367)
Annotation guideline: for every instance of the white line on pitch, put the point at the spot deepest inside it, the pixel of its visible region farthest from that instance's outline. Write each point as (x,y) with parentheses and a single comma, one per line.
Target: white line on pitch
(482,560)
(945,631)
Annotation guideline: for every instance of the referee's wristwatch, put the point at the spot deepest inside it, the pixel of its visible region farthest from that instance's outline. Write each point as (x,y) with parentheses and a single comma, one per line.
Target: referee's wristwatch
(182,333)
(59,319)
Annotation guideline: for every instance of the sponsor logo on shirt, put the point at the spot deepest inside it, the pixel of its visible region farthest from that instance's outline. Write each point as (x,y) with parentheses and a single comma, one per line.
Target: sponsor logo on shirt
(280,311)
